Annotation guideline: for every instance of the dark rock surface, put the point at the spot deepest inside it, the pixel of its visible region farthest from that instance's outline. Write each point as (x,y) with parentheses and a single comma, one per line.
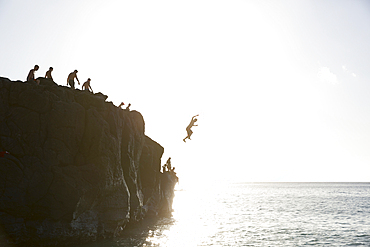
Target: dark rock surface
(78,167)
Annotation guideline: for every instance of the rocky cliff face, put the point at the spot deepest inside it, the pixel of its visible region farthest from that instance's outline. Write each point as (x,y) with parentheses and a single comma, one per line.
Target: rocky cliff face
(78,167)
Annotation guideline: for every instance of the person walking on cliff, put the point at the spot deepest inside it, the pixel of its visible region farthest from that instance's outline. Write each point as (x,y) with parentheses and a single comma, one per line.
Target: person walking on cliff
(48,74)
(188,129)
(71,79)
(86,86)
(31,75)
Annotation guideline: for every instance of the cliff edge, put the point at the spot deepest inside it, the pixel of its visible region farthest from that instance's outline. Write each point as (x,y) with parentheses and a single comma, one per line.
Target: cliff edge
(78,167)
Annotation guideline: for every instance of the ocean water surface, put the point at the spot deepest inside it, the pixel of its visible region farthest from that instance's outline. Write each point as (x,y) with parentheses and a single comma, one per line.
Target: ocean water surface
(259,214)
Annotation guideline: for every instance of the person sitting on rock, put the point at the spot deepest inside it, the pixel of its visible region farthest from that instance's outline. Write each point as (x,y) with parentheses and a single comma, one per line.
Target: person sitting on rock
(48,73)
(128,107)
(31,75)
(188,129)
(86,86)
(70,79)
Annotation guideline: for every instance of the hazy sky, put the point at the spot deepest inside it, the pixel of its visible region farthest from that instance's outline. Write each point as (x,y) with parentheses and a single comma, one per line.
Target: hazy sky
(282,87)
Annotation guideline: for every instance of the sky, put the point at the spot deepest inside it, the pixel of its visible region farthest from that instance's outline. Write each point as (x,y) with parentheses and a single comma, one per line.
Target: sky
(281,87)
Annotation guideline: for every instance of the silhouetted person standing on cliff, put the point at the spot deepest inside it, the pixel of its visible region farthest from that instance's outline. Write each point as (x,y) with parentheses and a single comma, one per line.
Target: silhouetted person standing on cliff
(48,73)
(168,164)
(31,75)
(86,86)
(71,79)
(188,129)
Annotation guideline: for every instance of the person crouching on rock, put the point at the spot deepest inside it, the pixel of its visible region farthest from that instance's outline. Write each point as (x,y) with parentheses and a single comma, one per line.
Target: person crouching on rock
(48,74)
(86,86)
(31,75)
(71,79)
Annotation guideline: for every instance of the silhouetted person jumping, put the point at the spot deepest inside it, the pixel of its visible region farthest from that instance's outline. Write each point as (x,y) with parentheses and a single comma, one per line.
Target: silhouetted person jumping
(71,79)
(86,86)
(48,73)
(31,74)
(188,129)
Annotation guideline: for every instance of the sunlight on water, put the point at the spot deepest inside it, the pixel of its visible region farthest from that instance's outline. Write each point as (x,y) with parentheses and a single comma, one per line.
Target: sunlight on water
(193,208)
(266,214)
(258,214)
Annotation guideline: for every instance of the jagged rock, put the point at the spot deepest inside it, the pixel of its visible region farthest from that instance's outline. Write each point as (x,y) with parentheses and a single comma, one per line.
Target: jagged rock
(78,167)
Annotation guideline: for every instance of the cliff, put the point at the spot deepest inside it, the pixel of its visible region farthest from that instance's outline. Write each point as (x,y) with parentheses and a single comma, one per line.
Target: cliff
(78,167)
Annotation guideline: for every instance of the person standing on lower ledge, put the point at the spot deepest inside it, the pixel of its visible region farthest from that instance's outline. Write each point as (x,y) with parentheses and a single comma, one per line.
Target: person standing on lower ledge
(188,129)
(168,164)
(71,79)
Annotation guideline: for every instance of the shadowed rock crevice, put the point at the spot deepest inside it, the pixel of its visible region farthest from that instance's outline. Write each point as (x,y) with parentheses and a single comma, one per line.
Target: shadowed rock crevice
(78,167)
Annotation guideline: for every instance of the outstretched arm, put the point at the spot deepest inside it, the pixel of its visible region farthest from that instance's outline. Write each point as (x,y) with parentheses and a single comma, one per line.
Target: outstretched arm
(195,116)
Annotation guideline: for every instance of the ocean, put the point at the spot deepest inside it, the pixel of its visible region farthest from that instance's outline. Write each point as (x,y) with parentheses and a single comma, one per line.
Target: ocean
(259,214)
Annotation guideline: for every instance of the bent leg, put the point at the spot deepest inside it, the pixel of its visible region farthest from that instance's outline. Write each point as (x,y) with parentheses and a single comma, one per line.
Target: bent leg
(189,133)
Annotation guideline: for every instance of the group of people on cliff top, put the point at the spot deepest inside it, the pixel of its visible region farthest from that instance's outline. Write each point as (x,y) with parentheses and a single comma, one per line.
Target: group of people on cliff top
(70,79)
(87,87)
